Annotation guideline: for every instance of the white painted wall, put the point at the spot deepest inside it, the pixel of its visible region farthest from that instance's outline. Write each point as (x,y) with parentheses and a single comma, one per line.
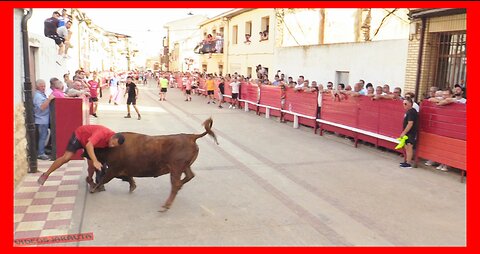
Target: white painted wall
(46,54)
(187,34)
(18,76)
(241,55)
(216,59)
(302,27)
(379,62)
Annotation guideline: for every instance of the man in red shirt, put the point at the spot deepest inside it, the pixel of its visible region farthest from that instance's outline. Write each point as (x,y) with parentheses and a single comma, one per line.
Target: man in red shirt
(86,137)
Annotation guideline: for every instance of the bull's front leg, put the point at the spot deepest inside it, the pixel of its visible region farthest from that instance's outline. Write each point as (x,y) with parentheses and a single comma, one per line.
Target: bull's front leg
(109,175)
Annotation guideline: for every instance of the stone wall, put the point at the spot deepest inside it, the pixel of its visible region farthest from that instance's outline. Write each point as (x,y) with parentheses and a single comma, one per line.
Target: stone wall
(20,145)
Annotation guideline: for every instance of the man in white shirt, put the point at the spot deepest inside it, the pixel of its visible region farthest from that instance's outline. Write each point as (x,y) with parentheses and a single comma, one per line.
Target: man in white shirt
(235,91)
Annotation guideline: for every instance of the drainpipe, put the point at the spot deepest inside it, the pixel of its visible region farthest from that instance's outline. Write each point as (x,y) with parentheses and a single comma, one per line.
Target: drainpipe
(28,104)
(419,60)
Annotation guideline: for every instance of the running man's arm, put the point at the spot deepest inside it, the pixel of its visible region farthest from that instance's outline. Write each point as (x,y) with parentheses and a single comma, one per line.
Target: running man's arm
(91,152)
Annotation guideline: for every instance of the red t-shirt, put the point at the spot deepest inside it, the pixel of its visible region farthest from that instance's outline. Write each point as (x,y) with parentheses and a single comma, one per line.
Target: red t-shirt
(93,88)
(96,134)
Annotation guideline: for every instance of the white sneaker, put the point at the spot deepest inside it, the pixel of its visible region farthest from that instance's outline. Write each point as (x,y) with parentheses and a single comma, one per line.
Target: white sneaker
(439,166)
(234,107)
(230,106)
(444,168)
(429,163)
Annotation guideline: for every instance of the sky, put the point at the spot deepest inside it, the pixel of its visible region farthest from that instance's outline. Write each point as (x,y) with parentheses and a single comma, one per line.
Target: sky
(144,25)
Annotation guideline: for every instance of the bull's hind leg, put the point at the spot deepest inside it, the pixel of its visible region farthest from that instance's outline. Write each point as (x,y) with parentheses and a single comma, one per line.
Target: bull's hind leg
(188,175)
(176,183)
(133,186)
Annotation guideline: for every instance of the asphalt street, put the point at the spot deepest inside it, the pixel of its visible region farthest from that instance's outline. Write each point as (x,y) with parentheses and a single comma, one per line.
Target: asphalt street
(268,184)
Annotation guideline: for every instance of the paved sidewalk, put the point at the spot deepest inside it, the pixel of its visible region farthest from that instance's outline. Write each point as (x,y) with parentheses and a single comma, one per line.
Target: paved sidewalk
(47,210)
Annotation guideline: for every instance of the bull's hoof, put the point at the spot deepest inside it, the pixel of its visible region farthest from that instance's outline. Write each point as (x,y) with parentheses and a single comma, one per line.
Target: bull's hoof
(132,188)
(164,209)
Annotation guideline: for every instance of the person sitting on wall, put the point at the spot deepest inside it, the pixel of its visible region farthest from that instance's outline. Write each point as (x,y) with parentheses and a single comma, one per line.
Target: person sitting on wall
(65,33)
(50,31)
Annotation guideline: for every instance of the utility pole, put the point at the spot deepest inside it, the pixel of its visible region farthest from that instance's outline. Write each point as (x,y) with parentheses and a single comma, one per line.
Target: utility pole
(165,53)
(128,54)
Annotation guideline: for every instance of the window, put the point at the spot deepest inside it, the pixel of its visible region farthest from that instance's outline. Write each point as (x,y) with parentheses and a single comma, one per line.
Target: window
(235,35)
(265,23)
(264,28)
(341,77)
(220,69)
(451,67)
(249,72)
(248,27)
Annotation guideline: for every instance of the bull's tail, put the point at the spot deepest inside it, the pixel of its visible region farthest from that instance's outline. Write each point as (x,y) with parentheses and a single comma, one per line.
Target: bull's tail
(208,130)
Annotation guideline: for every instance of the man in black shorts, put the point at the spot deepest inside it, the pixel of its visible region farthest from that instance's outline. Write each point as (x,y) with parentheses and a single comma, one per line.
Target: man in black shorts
(132,91)
(86,137)
(410,127)
(50,31)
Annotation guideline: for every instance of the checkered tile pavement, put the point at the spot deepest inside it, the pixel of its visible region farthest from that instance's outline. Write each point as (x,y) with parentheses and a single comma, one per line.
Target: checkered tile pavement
(47,210)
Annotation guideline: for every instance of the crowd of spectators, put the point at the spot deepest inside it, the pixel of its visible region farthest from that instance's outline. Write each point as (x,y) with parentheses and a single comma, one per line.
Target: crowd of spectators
(340,91)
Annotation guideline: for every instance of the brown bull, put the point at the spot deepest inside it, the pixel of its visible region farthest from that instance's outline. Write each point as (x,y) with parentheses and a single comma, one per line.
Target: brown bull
(151,156)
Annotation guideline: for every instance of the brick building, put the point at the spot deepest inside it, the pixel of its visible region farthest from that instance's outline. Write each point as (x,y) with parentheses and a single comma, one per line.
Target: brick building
(436,50)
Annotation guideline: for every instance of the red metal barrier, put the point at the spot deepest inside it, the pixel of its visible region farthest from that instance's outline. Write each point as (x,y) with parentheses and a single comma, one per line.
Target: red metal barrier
(66,115)
(448,121)
(270,96)
(377,122)
(303,103)
(443,134)
(249,93)
(228,92)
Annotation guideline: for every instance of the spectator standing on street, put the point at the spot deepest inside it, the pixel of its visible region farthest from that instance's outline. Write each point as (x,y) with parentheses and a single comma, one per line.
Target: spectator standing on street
(235,90)
(113,84)
(210,83)
(57,88)
(132,92)
(188,90)
(93,87)
(221,92)
(42,116)
(163,82)
(410,125)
